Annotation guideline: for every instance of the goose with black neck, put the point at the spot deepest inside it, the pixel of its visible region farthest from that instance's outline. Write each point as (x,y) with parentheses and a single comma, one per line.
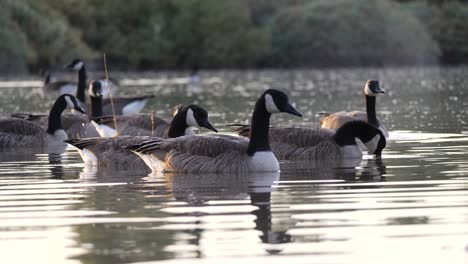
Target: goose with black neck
(122,105)
(111,152)
(301,143)
(16,132)
(221,153)
(371,91)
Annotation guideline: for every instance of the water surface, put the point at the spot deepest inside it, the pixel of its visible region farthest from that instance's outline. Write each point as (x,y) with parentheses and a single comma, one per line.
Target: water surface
(409,207)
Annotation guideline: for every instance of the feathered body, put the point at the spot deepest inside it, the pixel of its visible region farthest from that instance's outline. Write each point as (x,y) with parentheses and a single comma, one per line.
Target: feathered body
(299,143)
(220,153)
(15,132)
(112,152)
(109,151)
(336,120)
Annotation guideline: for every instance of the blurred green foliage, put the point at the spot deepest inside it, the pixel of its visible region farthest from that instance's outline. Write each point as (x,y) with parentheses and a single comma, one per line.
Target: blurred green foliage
(183,34)
(447,21)
(358,32)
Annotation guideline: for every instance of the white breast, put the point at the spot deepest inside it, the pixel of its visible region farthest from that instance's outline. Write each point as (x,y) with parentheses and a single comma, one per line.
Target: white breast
(55,142)
(264,161)
(134,107)
(58,137)
(104,130)
(189,132)
(351,151)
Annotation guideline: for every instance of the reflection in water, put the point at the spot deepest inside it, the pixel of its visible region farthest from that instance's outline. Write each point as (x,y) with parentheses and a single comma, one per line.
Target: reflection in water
(260,189)
(197,190)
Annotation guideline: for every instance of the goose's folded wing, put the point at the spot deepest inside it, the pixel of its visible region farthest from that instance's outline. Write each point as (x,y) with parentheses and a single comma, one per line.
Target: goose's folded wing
(335,120)
(41,119)
(300,137)
(19,127)
(207,145)
(145,125)
(18,132)
(359,115)
(99,145)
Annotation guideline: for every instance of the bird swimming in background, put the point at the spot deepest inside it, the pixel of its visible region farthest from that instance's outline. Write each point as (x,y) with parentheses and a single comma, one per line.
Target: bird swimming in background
(111,152)
(371,91)
(221,153)
(122,105)
(76,125)
(60,87)
(15,132)
(152,125)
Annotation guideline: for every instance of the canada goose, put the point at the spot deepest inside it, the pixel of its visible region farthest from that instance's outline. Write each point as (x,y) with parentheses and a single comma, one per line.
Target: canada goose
(221,153)
(336,120)
(110,151)
(296,143)
(151,125)
(62,87)
(16,132)
(122,105)
(75,125)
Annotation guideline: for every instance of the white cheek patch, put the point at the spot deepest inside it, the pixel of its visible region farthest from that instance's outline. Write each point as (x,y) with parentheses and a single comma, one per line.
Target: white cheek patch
(70,103)
(270,105)
(368,91)
(90,90)
(78,66)
(372,144)
(190,119)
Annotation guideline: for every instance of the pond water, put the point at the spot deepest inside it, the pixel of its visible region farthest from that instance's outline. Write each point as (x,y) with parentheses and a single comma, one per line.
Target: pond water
(409,207)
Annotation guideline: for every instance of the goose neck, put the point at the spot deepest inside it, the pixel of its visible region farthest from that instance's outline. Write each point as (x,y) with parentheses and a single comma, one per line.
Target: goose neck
(96,106)
(259,129)
(177,127)
(346,135)
(370,109)
(80,92)
(55,116)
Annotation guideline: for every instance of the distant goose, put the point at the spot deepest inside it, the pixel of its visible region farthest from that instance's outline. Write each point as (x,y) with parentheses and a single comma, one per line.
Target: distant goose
(75,125)
(296,143)
(16,132)
(151,125)
(110,151)
(62,87)
(122,105)
(336,120)
(220,153)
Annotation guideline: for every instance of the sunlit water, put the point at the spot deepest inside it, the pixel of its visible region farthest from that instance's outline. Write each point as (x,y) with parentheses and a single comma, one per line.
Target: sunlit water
(410,207)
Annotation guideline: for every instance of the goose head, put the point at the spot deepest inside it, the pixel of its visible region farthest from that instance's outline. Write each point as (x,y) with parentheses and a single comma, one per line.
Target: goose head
(197,116)
(69,101)
(277,102)
(75,65)
(372,88)
(95,89)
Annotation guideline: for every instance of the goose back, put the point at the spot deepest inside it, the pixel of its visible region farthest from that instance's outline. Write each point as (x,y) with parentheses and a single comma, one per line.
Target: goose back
(15,132)
(106,151)
(75,125)
(196,154)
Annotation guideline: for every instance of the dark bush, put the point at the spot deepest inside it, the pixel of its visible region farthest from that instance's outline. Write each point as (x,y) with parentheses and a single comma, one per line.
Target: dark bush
(359,32)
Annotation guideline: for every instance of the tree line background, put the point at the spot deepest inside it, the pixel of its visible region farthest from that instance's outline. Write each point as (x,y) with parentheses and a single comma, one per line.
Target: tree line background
(185,34)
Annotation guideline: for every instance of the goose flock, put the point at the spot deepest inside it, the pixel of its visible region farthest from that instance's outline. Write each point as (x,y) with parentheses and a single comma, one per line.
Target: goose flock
(125,138)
